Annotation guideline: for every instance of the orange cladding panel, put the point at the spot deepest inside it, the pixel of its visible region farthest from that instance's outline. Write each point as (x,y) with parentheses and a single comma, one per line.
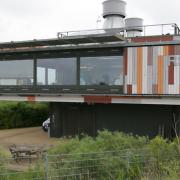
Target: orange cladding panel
(166,50)
(139,70)
(160,74)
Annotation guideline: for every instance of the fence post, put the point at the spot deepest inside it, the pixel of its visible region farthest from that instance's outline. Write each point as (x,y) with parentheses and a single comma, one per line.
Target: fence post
(46,167)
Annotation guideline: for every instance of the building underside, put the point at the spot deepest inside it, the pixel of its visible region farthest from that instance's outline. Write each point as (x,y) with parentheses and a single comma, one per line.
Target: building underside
(146,120)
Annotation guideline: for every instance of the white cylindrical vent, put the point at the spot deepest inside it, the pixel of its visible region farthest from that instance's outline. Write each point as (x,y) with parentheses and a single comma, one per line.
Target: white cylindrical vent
(113,12)
(114,7)
(133,26)
(113,22)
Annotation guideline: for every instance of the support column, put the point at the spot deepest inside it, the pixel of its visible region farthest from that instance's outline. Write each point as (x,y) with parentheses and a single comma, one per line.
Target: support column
(46,76)
(56,120)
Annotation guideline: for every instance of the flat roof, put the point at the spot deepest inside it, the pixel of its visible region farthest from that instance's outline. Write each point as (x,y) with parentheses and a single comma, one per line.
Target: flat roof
(95,41)
(94,38)
(65,40)
(115,44)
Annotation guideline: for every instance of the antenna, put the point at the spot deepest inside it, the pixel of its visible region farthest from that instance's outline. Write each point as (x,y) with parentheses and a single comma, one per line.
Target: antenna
(98,21)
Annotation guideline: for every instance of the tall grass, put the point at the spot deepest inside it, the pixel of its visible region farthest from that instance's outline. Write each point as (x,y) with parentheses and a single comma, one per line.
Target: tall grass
(111,155)
(128,157)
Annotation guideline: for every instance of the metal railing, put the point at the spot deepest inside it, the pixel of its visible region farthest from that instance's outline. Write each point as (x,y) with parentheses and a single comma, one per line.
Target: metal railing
(111,165)
(148,30)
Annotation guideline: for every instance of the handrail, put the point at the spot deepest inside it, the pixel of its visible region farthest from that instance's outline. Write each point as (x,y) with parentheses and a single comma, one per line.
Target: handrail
(176,30)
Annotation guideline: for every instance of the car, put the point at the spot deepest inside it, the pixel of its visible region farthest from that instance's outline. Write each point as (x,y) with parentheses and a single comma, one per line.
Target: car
(45,125)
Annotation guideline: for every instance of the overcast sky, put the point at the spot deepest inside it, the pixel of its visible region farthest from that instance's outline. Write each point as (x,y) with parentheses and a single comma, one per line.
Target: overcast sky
(35,19)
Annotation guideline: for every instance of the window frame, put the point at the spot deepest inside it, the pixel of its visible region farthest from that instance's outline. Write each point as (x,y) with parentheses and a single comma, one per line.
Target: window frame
(33,73)
(63,89)
(56,59)
(97,85)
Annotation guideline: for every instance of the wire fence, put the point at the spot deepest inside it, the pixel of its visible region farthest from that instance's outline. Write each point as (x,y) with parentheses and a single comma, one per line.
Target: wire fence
(109,165)
(112,165)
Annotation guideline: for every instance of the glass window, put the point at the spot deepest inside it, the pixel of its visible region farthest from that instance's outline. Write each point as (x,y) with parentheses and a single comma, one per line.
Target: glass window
(16,72)
(107,70)
(57,71)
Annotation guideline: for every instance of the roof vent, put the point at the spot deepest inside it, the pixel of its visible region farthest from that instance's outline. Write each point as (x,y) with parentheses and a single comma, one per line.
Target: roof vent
(134,27)
(114,13)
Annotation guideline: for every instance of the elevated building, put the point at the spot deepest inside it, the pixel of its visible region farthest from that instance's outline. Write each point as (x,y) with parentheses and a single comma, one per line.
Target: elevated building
(117,78)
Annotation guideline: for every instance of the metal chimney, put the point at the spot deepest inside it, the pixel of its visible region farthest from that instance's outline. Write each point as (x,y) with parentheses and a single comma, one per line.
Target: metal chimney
(114,12)
(134,27)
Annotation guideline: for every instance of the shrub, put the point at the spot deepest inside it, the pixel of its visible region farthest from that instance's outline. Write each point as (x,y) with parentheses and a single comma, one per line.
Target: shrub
(105,141)
(115,155)
(18,115)
(109,156)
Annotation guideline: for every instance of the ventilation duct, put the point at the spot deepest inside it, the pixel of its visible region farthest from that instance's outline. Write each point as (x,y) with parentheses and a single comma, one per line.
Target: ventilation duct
(134,27)
(114,13)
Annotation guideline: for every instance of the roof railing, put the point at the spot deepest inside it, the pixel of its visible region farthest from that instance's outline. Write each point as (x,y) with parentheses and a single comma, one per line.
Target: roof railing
(148,30)
(90,32)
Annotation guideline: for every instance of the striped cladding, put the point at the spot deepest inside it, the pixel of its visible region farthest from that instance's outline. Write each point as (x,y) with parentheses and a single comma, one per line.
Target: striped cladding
(152,70)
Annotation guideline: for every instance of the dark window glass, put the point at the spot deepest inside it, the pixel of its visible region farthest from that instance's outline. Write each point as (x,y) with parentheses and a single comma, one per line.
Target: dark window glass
(57,71)
(107,70)
(16,72)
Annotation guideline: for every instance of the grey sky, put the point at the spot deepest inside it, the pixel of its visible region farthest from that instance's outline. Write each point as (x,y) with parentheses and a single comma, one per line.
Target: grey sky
(29,19)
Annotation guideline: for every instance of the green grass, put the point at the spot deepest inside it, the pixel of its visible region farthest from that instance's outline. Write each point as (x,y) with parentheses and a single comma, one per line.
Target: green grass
(146,159)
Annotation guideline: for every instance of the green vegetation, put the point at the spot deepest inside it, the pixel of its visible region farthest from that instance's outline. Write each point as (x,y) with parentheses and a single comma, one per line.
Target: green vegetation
(110,155)
(120,156)
(22,114)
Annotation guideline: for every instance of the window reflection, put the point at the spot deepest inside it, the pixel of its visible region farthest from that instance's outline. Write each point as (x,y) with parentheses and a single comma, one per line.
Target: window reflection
(106,70)
(16,72)
(57,71)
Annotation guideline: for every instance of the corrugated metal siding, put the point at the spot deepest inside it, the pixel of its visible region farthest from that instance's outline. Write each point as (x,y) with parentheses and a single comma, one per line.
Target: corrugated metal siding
(152,70)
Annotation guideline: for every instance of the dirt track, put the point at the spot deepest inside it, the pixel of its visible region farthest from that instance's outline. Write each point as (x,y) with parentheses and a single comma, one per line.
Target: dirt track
(25,136)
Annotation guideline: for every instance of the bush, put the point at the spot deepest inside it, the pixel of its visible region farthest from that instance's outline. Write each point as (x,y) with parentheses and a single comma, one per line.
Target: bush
(115,155)
(22,114)
(108,156)
(105,141)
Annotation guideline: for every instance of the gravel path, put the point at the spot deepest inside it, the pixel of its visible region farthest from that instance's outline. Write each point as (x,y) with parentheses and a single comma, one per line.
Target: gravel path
(25,136)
